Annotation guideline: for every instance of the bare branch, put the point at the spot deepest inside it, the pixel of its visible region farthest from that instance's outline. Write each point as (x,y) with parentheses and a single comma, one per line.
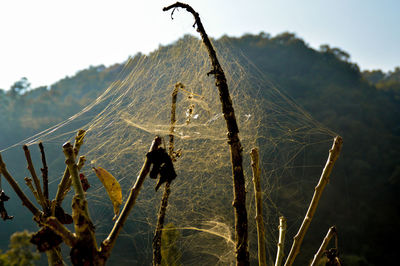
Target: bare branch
(25,201)
(255,165)
(298,239)
(64,184)
(36,181)
(331,232)
(68,237)
(44,170)
(28,182)
(109,242)
(157,257)
(281,241)
(239,200)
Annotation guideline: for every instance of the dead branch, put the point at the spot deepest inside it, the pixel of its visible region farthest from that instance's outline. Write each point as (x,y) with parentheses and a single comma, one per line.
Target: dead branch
(85,249)
(281,242)
(298,239)
(36,181)
(65,184)
(68,237)
(25,201)
(44,171)
(109,242)
(255,165)
(331,232)
(157,257)
(239,201)
(28,182)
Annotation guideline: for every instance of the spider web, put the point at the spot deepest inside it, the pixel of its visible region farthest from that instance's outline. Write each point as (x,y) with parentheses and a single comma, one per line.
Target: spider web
(122,122)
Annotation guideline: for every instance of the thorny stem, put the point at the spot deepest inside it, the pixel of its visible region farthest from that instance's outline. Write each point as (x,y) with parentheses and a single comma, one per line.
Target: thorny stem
(157,257)
(36,181)
(255,165)
(25,201)
(44,172)
(239,201)
(331,232)
(109,242)
(281,241)
(324,179)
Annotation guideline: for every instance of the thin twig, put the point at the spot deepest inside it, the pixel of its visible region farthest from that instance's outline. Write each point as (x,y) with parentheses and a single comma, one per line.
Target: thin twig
(36,181)
(255,165)
(44,172)
(281,242)
(239,200)
(28,182)
(331,232)
(25,201)
(298,239)
(109,242)
(157,256)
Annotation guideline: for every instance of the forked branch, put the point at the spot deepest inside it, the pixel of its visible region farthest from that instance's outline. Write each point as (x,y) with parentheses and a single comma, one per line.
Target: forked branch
(298,239)
(31,168)
(239,201)
(64,184)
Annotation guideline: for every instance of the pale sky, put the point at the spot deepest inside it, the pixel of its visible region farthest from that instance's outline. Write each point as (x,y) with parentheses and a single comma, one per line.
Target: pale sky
(46,40)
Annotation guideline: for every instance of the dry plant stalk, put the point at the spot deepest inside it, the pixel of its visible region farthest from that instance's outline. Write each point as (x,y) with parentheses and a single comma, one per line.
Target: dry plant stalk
(239,200)
(255,165)
(298,239)
(331,232)
(281,241)
(157,257)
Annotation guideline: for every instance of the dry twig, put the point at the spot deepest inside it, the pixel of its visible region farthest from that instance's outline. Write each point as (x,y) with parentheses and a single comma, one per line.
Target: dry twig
(239,200)
(255,165)
(298,239)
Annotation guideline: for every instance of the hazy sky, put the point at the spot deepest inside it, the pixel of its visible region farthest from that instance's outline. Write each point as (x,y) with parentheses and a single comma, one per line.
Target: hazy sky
(46,40)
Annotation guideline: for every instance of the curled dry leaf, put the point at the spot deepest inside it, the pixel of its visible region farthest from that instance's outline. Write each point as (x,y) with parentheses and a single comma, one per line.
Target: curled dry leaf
(112,186)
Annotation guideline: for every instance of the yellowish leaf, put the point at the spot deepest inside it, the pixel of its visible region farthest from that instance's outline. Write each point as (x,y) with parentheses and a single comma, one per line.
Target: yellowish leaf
(112,186)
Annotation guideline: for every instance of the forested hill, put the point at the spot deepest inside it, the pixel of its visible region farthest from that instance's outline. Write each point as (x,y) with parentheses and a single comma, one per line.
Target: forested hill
(363,107)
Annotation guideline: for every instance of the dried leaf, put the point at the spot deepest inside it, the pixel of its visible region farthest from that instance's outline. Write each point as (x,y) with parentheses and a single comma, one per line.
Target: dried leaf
(112,186)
